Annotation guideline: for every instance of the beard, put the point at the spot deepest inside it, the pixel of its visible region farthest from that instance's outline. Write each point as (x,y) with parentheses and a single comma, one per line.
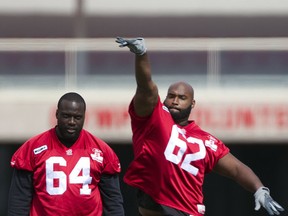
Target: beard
(182,114)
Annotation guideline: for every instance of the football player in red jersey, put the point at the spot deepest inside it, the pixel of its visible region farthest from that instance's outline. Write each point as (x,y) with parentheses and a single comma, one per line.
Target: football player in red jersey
(172,154)
(66,170)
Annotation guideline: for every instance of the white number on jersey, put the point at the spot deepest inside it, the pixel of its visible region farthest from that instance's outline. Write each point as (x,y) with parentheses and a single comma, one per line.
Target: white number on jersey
(85,179)
(176,157)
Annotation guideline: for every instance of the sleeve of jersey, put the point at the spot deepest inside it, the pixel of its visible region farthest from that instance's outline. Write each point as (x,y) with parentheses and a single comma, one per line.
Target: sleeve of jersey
(111,195)
(21,159)
(138,123)
(215,151)
(141,126)
(111,162)
(20,193)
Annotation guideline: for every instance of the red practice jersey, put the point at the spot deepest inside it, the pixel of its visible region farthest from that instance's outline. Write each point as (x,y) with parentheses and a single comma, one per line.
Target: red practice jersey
(66,180)
(170,160)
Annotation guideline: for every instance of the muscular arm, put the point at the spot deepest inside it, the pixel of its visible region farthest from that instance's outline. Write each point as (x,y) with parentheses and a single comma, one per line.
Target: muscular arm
(146,95)
(231,167)
(111,196)
(20,194)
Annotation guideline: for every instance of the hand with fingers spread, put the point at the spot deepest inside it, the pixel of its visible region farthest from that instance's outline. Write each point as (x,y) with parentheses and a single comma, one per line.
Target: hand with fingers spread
(136,45)
(263,198)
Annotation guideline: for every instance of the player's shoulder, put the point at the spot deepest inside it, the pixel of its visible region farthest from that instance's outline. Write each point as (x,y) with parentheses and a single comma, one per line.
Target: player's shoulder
(35,145)
(203,133)
(196,129)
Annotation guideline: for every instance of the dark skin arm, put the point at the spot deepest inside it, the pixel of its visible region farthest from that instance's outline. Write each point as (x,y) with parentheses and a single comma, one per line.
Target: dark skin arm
(229,166)
(146,95)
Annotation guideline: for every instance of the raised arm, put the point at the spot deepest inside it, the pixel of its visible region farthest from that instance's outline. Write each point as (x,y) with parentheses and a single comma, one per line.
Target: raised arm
(233,168)
(146,95)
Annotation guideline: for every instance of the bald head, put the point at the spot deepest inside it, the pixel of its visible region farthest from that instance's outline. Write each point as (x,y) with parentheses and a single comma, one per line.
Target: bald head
(185,87)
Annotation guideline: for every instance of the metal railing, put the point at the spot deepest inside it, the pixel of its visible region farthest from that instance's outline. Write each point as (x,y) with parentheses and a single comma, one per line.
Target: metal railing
(73,50)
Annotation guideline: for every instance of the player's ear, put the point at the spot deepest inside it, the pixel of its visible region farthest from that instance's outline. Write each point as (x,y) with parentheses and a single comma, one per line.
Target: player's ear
(57,114)
(193,104)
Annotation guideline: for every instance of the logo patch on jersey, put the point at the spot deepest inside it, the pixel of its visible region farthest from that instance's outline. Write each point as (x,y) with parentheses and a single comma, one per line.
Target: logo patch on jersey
(40,149)
(97,155)
(165,108)
(201,209)
(211,143)
(69,152)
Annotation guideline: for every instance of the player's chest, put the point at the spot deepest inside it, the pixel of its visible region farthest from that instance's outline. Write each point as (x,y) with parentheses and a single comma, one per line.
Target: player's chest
(68,172)
(70,160)
(187,150)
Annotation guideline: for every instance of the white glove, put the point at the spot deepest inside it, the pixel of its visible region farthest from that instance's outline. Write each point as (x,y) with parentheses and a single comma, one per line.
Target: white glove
(136,45)
(263,198)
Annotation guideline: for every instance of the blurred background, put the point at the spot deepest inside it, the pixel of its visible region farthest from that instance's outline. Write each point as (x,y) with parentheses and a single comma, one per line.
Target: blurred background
(234,53)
